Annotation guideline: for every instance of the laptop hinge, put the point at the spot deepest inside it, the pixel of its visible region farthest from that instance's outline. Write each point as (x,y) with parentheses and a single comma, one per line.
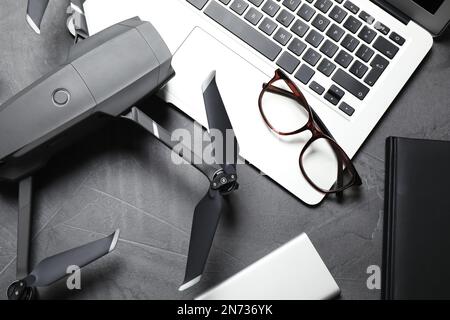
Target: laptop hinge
(392,10)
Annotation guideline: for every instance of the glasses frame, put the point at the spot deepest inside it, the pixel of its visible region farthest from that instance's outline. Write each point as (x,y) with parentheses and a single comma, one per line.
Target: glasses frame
(317,129)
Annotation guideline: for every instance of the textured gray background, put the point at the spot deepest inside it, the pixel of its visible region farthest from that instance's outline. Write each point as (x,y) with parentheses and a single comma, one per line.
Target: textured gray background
(123,178)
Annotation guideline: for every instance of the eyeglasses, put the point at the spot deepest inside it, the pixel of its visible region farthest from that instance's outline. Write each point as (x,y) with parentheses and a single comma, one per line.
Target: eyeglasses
(322,161)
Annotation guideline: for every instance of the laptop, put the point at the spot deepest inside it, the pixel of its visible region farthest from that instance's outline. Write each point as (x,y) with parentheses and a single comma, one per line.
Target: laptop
(350,59)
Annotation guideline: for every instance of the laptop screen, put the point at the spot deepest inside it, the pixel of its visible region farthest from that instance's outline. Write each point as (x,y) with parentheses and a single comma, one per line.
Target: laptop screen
(433,15)
(432,6)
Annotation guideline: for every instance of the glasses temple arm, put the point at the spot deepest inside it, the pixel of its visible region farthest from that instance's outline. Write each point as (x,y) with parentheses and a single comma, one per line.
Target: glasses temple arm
(340,177)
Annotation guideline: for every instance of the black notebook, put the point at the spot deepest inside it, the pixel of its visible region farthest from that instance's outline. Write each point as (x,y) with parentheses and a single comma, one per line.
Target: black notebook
(416,257)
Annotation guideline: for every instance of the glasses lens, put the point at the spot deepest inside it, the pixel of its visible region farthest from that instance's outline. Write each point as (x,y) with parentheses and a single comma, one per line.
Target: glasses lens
(282,111)
(321,165)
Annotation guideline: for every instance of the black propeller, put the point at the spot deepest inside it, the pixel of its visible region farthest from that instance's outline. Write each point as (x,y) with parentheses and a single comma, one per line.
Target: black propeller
(77,5)
(76,22)
(222,174)
(35,13)
(209,209)
(54,268)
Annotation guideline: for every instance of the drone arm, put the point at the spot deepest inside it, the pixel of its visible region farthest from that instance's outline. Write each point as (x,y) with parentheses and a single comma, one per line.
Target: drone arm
(164,136)
(24,226)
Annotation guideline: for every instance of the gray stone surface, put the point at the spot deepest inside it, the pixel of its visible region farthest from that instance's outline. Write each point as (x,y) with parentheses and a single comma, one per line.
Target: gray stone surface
(123,178)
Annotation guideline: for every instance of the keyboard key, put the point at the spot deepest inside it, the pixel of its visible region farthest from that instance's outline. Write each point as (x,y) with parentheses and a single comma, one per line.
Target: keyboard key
(336,91)
(256,3)
(291,4)
(239,6)
(344,58)
(243,30)
(335,32)
(350,6)
(331,99)
(326,67)
(397,38)
(282,36)
(323,5)
(300,28)
(314,38)
(285,18)
(297,47)
(379,64)
(253,16)
(225,2)
(352,24)
(320,22)
(366,17)
(350,84)
(350,43)
(199,4)
(304,74)
(364,53)
(338,14)
(367,34)
(381,28)
(348,110)
(385,47)
(270,8)
(329,48)
(373,76)
(312,57)
(267,26)
(288,62)
(317,88)
(306,12)
(358,69)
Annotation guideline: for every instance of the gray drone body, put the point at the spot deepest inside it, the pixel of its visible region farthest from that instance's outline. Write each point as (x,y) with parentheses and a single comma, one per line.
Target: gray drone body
(105,74)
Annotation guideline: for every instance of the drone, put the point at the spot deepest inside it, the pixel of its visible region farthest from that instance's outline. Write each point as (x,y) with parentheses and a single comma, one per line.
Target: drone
(104,77)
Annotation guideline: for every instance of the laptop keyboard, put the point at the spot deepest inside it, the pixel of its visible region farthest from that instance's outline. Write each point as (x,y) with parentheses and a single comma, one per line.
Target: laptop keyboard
(333,37)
